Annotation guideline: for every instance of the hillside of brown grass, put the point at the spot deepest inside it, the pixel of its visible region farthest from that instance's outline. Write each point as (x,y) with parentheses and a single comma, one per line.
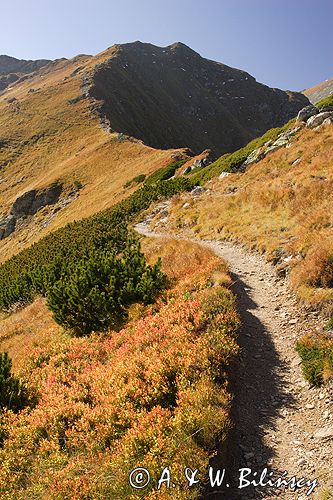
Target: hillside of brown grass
(320,91)
(281,206)
(47,135)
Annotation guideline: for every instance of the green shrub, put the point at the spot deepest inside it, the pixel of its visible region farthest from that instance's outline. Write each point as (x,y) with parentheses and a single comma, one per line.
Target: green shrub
(329,324)
(136,180)
(94,292)
(12,395)
(77,184)
(139,178)
(35,269)
(317,358)
(164,173)
(328,101)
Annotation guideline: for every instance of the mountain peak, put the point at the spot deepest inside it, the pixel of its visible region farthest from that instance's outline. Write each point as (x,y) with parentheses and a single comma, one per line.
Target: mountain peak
(171,97)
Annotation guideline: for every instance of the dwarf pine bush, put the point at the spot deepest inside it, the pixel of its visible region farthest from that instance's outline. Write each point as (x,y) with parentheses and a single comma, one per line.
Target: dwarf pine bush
(36,269)
(94,292)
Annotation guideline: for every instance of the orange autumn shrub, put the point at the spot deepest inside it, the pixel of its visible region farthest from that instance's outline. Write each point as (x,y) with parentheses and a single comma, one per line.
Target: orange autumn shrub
(152,395)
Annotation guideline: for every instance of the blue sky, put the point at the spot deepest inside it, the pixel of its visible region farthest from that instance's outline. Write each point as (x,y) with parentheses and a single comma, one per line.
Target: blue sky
(283,43)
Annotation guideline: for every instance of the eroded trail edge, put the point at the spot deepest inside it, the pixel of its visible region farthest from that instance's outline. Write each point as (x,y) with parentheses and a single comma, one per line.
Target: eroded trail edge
(280,422)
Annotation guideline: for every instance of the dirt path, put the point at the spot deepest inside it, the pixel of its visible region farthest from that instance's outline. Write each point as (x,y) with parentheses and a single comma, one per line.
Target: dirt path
(280,422)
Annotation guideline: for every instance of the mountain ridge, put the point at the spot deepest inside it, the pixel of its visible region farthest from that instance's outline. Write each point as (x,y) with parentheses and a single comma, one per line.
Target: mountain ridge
(173,97)
(11,69)
(320,91)
(51,134)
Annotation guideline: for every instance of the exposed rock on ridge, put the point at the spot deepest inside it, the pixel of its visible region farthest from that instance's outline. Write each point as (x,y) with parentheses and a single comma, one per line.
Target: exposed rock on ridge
(11,69)
(28,204)
(173,97)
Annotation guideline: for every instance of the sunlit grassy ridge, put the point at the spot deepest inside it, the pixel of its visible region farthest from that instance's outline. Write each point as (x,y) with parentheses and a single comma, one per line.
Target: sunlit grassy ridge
(152,395)
(282,206)
(47,134)
(328,101)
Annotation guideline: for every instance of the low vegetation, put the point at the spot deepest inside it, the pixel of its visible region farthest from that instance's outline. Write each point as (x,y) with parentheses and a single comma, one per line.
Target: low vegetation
(316,352)
(151,395)
(37,269)
(164,173)
(12,394)
(328,101)
(138,179)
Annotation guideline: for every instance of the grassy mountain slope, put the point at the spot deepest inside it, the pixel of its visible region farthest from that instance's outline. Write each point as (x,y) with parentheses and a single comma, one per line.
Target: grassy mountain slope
(320,91)
(47,135)
(281,206)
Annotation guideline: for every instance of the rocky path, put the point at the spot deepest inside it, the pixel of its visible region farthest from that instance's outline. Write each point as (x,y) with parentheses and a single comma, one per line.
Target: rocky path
(280,421)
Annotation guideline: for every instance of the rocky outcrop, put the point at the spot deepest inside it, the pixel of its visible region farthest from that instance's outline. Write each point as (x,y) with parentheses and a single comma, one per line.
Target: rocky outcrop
(309,116)
(199,161)
(306,113)
(31,201)
(318,119)
(28,204)
(314,117)
(172,98)
(11,69)
(7,226)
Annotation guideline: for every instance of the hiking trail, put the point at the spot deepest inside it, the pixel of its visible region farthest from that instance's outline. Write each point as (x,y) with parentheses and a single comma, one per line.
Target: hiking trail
(280,422)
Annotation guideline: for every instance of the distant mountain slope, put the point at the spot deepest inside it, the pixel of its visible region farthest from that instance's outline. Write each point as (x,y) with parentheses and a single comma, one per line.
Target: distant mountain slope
(173,97)
(49,137)
(320,91)
(11,69)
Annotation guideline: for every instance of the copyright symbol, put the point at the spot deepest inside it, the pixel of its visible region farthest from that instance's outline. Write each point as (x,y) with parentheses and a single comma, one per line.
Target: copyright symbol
(139,478)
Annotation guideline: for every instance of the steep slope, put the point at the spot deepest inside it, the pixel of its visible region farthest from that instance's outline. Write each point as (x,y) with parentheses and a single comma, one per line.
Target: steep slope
(173,97)
(320,91)
(49,137)
(11,69)
(280,205)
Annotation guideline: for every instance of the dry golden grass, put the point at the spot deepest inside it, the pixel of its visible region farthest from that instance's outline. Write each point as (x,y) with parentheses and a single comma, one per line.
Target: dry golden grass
(181,258)
(50,139)
(276,207)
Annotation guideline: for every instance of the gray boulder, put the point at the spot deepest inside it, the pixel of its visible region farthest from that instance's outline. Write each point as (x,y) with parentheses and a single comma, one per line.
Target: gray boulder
(318,119)
(7,226)
(306,113)
(197,191)
(324,432)
(223,175)
(328,121)
(281,141)
(256,155)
